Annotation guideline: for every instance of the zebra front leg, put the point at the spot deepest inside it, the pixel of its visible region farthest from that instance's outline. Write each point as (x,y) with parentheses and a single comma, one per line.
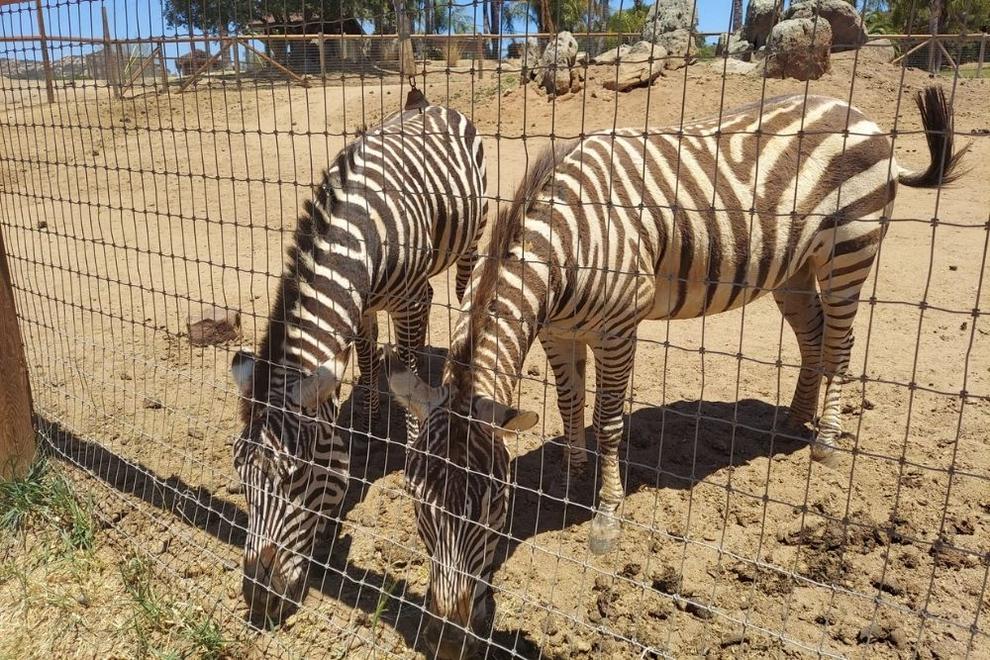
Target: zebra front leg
(802,309)
(568,359)
(613,366)
(369,355)
(412,321)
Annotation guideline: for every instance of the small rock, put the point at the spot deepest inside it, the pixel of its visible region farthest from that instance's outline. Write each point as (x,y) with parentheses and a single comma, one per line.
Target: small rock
(868,405)
(602,583)
(582,645)
(160,547)
(82,599)
(549,626)
(698,610)
(871,634)
(42,224)
(666,580)
(235,487)
(125,376)
(211,325)
(533,370)
(890,584)
(195,433)
(963,526)
(734,639)
(898,638)
(964,326)
(630,570)
(152,403)
(953,268)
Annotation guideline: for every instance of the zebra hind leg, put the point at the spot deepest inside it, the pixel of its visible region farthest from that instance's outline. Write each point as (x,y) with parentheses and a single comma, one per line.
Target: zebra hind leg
(568,359)
(613,367)
(412,322)
(840,280)
(366,397)
(802,309)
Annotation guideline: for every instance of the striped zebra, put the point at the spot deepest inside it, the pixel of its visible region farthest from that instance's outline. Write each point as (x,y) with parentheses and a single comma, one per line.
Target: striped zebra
(398,206)
(618,228)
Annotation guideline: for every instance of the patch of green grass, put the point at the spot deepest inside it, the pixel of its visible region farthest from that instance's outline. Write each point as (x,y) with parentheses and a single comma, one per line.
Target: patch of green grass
(967,72)
(381,607)
(45,500)
(164,628)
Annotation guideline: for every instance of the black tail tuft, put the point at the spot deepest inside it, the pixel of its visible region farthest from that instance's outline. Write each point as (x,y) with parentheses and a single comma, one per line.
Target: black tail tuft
(936,118)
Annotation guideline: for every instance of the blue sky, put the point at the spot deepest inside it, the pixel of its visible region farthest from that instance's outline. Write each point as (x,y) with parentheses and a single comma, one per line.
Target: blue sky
(143,18)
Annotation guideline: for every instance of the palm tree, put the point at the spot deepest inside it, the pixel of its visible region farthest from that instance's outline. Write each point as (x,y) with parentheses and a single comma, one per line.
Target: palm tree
(737,15)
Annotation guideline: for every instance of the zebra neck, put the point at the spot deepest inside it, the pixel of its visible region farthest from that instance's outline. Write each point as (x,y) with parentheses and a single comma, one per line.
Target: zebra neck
(505,332)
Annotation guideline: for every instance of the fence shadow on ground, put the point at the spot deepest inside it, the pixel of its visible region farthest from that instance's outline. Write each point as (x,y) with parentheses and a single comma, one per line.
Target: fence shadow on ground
(659,452)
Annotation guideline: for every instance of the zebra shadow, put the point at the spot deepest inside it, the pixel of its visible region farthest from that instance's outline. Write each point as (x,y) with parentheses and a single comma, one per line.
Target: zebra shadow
(670,447)
(379,597)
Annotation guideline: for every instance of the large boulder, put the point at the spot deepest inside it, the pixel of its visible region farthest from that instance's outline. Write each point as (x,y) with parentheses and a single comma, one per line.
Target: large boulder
(680,46)
(799,48)
(530,55)
(848,32)
(611,56)
(557,64)
(732,44)
(639,67)
(669,15)
(761,16)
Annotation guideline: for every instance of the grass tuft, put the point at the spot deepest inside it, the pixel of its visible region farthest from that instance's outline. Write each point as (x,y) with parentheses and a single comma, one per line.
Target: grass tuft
(43,499)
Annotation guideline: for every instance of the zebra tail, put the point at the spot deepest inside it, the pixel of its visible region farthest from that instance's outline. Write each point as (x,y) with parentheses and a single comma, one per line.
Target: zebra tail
(936,118)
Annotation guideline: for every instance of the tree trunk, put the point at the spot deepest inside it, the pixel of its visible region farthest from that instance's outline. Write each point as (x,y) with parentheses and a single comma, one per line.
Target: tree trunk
(495,25)
(934,52)
(546,18)
(737,15)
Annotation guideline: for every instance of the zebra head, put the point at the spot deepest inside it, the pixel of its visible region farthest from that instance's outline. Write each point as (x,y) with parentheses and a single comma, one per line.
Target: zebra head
(294,471)
(457,470)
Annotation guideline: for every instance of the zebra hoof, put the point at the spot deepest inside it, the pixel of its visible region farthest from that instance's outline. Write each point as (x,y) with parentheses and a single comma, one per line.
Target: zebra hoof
(823,450)
(605,533)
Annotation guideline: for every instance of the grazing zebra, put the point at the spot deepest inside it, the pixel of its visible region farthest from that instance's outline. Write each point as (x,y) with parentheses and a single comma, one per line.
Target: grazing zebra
(398,205)
(623,227)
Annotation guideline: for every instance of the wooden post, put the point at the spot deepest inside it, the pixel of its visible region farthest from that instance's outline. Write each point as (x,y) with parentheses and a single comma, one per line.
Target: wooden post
(112,72)
(323,57)
(164,65)
(407,61)
(17,445)
(479,55)
(983,50)
(45,62)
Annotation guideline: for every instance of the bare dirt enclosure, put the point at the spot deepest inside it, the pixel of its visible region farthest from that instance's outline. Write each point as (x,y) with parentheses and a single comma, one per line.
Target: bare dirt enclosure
(123,216)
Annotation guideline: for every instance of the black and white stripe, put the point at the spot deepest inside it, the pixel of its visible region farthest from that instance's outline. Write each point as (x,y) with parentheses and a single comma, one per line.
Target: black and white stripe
(789,197)
(399,205)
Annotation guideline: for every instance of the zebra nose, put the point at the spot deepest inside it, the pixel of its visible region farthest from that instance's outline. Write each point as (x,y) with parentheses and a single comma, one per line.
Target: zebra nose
(448,641)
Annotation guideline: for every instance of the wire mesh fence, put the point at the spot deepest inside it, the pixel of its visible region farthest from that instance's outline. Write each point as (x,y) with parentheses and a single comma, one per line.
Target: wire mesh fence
(147,211)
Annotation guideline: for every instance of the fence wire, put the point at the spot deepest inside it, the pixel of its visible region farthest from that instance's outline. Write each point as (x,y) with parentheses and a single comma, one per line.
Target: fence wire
(162,185)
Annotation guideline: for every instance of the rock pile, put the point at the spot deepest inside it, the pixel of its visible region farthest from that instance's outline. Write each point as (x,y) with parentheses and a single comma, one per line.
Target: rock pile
(671,24)
(792,49)
(559,73)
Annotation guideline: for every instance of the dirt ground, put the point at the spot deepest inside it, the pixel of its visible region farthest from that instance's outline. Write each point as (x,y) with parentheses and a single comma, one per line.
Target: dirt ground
(121,216)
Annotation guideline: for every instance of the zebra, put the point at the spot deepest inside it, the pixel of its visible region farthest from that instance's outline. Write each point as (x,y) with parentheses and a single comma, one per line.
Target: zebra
(613,229)
(397,206)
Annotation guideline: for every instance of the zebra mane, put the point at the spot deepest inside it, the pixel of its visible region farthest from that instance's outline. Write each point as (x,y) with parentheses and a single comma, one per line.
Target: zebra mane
(506,232)
(309,224)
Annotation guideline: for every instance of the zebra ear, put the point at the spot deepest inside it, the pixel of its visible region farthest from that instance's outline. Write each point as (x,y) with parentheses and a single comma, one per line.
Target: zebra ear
(504,418)
(316,388)
(242,370)
(415,395)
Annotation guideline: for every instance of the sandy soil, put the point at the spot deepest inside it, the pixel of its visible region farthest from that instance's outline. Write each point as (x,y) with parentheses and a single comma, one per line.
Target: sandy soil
(121,216)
